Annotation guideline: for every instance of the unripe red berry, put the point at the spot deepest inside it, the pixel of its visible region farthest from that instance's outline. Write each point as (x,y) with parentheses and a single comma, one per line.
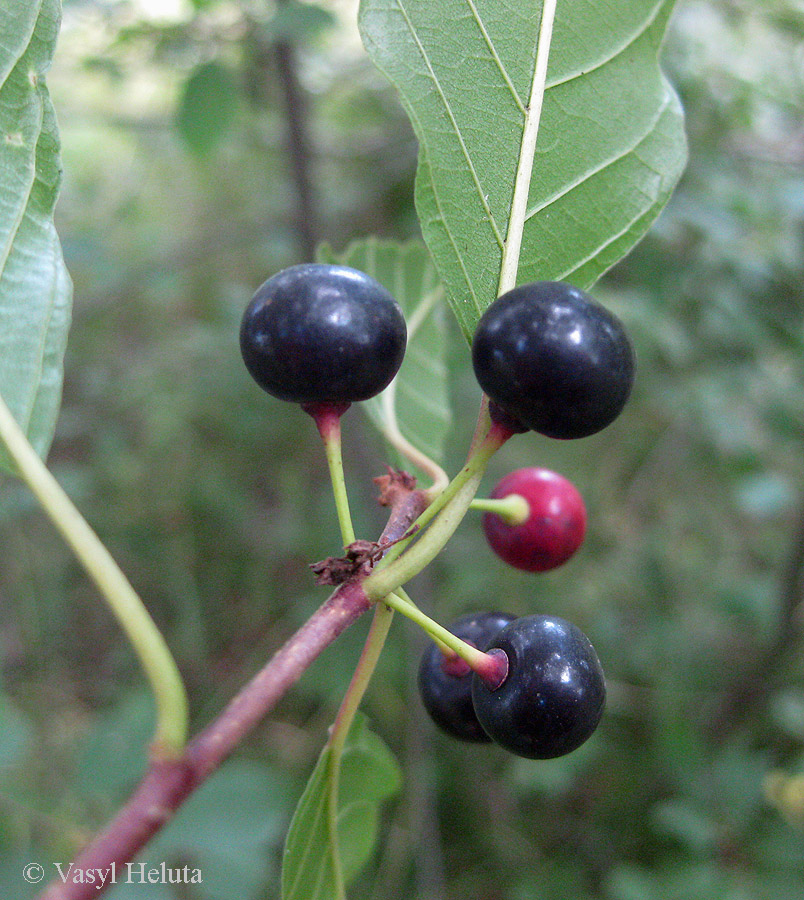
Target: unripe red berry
(555,526)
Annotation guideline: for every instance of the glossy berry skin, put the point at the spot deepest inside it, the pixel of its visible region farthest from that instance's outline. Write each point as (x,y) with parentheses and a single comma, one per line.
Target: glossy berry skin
(448,697)
(554,695)
(553,359)
(554,529)
(322,334)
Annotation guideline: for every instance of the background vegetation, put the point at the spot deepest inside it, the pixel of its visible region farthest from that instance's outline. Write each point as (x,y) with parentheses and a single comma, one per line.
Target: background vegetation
(180,197)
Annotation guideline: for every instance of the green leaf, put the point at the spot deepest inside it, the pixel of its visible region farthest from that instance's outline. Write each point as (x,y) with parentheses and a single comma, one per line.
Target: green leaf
(298,22)
(254,803)
(369,775)
(418,398)
(610,144)
(207,107)
(114,754)
(35,289)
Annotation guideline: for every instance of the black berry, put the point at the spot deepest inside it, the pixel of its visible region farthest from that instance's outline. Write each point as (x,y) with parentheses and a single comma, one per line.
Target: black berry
(322,334)
(553,359)
(554,529)
(553,696)
(446,687)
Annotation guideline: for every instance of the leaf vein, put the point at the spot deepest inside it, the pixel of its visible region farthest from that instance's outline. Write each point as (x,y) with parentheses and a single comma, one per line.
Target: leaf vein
(605,164)
(470,287)
(454,123)
(23,207)
(495,56)
(631,40)
(14,60)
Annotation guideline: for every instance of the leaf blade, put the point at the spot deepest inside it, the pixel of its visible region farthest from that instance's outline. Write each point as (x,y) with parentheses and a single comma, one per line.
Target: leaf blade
(369,775)
(463,89)
(35,289)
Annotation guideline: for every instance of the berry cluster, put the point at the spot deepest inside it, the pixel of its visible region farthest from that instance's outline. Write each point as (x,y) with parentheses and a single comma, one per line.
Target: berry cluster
(551,360)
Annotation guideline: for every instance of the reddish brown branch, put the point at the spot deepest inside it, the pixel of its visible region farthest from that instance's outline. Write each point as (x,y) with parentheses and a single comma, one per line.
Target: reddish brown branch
(167,784)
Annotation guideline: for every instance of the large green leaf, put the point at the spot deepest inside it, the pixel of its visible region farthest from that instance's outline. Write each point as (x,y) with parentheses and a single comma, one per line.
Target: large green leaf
(417,401)
(369,775)
(35,290)
(610,144)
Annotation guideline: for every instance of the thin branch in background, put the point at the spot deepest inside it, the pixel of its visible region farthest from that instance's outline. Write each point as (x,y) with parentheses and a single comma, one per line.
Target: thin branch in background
(754,685)
(299,151)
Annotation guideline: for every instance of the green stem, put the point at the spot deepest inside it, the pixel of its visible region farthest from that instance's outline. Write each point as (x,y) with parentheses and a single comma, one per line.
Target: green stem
(393,434)
(375,641)
(451,506)
(513,509)
(146,639)
(446,640)
(482,433)
(327,418)
(328,422)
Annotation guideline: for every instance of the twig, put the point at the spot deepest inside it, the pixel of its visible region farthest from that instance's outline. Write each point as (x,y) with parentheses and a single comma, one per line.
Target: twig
(167,784)
(298,145)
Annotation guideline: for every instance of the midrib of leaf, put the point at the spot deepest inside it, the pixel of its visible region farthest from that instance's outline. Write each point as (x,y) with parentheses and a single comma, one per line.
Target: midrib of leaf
(527,153)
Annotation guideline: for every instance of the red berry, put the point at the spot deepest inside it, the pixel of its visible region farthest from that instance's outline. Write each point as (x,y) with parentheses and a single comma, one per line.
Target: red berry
(552,532)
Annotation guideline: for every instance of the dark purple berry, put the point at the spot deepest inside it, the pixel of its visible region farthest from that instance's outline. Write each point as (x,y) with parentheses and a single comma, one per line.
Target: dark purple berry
(552,532)
(446,688)
(553,359)
(318,333)
(554,694)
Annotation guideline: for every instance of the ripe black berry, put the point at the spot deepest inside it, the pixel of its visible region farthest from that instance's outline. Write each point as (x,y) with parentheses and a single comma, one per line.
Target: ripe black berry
(446,688)
(555,526)
(553,359)
(553,697)
(322,334)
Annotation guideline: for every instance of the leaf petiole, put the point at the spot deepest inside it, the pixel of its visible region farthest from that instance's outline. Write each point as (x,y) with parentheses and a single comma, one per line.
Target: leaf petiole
(124,602)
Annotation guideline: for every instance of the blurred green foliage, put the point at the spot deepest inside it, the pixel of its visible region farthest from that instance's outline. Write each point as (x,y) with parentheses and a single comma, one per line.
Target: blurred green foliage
(214,497)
